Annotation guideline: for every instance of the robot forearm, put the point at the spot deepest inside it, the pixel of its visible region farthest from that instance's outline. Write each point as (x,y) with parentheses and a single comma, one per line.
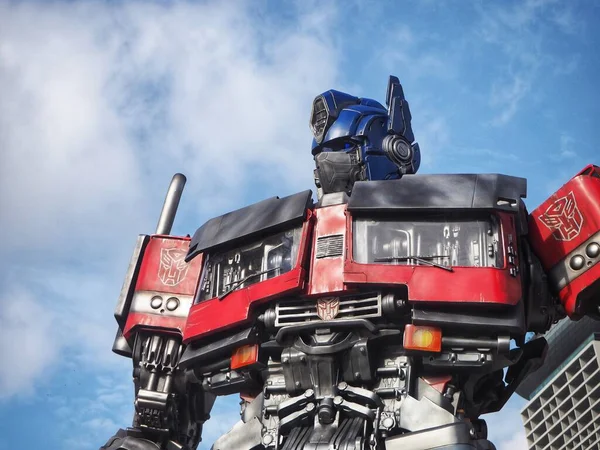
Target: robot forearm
(170,405)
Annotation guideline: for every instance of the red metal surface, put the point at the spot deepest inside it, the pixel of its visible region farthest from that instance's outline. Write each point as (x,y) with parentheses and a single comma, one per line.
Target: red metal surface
(569,294)
(326,274)
(577,224)
(214,314)
(164,270)
(438,383)
(431,284)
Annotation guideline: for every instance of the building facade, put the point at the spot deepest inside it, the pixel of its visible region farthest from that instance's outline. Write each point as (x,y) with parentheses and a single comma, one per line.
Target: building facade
(564,408)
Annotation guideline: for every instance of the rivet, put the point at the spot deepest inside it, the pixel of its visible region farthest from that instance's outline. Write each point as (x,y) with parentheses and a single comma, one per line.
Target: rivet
(577,262)
(593,250)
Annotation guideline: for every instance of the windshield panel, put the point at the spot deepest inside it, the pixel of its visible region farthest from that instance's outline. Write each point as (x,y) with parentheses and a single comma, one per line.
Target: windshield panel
(249,264)
(446,241)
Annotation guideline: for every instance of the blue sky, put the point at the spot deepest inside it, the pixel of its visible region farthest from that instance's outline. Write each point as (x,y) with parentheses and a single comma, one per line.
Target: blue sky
(103,101)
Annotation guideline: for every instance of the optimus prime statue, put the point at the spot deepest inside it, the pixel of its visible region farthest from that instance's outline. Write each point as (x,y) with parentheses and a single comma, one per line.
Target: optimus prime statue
(379,317)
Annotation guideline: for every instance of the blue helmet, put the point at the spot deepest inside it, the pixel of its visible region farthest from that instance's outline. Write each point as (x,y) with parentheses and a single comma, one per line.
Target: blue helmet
(359,139)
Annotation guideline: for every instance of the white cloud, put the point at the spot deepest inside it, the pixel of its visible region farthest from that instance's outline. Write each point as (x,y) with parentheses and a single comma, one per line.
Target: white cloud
(102,407)
(567,146)
(505,428)
(507,96)
(101,104)
(225,414)
(97,117)
(516,442)
(523,34)
(27,344)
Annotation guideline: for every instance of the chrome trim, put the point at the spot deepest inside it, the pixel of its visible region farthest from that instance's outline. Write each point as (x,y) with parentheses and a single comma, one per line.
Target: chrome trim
(562,273)
(297,312)
(142,303)
(122,308)
(169,209)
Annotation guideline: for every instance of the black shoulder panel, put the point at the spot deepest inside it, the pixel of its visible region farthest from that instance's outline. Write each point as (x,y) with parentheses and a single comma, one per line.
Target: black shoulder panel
(270,214)
(439,192)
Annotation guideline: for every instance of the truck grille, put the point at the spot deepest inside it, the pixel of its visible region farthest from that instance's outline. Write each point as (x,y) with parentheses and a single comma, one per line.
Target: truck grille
(295,312)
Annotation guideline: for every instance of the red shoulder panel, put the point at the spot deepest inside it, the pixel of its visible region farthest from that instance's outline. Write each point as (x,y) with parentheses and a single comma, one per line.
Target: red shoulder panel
(165,286)
(565,234)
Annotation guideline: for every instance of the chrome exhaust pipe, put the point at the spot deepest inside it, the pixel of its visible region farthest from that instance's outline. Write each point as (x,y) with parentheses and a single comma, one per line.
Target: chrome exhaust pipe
(169,209)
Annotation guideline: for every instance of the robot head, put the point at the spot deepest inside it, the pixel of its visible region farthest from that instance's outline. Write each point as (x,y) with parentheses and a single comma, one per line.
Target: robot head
(359,139)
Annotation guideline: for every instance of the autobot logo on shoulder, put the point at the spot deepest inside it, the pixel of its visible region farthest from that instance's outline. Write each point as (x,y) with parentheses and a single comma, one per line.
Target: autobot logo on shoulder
(563,218)
(328,308)
(173,268)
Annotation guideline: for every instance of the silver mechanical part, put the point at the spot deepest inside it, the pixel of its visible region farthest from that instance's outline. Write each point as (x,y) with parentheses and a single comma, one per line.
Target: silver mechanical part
(172,303)
(297,312)
(169,209)
(152,302)
(388,422)
(592,250)
(156,302)
(576,263)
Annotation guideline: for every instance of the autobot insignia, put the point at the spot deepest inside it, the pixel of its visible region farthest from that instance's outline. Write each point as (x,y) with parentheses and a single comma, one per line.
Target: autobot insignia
(563,218)
(173,268)
(328,308)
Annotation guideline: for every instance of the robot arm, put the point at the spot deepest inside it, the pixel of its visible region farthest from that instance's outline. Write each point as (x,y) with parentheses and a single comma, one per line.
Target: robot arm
(170,404)
(564,233)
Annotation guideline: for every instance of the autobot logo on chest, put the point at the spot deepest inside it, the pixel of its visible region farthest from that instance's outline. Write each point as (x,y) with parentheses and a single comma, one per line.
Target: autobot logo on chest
(173,268)
(328,308)
(563,218)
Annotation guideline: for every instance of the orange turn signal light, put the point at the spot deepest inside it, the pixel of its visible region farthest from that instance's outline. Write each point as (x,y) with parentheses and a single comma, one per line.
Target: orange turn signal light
(244,356)
(428,339)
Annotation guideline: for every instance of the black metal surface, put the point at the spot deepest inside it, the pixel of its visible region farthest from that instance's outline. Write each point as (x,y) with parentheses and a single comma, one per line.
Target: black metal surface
(542,308)
(439,192)
(337,171)
(509,320)
(121,441)
(121,346)
(195,355)
(498,344)
(231,382)
(268,215)
(455,434)
(355,324)
(532,358)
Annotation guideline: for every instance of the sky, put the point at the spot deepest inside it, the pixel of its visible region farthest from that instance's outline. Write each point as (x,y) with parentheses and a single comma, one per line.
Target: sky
(102,102)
